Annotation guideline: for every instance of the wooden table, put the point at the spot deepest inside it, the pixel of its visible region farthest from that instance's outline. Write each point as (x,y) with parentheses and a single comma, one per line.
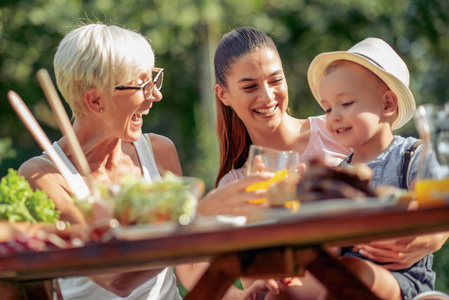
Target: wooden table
(278,248)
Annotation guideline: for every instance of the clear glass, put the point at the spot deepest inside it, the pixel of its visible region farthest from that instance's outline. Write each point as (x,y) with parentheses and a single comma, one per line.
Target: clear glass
(283,164)
(137,201)
(271,160)
(432,184)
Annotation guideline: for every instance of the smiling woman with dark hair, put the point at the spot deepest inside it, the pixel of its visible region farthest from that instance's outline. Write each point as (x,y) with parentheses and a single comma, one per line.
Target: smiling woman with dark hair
(251,97)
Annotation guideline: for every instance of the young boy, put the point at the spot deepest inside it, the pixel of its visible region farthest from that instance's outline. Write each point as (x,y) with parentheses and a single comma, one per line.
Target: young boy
(364,92)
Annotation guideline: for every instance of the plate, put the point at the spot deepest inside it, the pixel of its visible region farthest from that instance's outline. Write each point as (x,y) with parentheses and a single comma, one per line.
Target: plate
(136,232)
(332,206)
(327,207)
(199,224)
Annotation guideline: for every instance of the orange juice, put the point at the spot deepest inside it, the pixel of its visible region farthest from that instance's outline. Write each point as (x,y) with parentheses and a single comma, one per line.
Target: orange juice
(292,205)
(264,185)
(432,191)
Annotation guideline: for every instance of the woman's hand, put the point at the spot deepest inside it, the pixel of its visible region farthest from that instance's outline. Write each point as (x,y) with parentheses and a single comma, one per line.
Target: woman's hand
(233,199)
(263,290)
(258,164)
(402,253)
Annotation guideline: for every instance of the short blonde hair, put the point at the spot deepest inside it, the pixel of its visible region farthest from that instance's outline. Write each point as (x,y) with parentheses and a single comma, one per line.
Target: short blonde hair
(99,56)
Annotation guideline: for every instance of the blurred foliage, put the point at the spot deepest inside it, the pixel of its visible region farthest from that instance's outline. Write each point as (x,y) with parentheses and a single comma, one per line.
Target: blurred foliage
(441,268)
(6,150)
(184,34)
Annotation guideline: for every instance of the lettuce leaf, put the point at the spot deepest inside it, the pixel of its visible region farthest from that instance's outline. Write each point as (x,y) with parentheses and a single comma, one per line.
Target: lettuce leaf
(19,203)
(141,202)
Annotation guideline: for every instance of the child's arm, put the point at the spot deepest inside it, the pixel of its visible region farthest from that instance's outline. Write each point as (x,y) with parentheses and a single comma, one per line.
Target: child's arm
(403,252)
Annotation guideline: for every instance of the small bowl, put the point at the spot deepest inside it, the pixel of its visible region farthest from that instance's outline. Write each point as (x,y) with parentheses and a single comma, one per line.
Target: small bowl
(171,198)
(137,201)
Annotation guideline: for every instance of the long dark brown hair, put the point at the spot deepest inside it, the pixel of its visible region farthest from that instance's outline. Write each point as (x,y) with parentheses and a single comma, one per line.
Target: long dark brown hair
(233,138)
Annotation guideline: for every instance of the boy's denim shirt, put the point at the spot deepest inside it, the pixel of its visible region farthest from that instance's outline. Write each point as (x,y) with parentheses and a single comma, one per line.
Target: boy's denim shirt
(388,166)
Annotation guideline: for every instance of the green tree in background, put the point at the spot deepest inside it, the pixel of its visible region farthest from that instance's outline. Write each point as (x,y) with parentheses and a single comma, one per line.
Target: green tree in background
(184,34)
(6,150)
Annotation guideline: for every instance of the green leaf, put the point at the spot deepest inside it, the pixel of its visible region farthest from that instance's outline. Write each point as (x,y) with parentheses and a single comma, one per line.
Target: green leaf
(19,203)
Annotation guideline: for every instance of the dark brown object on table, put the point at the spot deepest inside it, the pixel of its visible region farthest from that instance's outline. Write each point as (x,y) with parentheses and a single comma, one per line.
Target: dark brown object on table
(321,182)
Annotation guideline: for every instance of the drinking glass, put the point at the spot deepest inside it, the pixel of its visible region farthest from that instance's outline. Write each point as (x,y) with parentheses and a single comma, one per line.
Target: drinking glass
(281,163)
(432,184)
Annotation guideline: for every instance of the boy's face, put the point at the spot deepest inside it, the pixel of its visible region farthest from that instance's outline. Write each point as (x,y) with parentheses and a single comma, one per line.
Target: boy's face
(351,96)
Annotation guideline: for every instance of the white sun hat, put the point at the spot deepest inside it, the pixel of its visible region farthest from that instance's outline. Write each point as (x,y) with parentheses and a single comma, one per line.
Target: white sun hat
(378,57)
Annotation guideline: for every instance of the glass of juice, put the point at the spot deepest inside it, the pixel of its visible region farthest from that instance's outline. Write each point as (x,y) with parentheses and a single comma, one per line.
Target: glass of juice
(281,163)
(432,180)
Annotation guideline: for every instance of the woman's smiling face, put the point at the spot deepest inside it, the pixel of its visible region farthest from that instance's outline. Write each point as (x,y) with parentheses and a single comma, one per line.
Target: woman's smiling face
(128,108)
(257,90)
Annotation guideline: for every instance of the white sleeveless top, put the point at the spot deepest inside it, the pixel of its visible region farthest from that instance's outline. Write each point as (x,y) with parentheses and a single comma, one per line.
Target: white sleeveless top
(161,287)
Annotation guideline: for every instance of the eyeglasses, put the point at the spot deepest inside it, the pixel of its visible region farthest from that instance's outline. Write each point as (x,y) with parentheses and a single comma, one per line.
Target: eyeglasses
(147,87)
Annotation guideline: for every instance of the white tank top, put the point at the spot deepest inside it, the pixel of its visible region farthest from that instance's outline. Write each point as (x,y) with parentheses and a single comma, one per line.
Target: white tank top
(161,287)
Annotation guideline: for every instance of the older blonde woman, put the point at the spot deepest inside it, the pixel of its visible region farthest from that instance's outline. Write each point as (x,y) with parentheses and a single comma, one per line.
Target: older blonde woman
(108,77)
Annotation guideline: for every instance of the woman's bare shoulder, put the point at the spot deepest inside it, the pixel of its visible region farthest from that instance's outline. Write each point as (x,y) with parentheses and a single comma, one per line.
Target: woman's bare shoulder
(37,165)
(40,172)
(165,154)
(160,142)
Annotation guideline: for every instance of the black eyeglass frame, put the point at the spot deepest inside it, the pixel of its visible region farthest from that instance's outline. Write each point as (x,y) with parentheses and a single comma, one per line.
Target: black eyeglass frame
(153,82)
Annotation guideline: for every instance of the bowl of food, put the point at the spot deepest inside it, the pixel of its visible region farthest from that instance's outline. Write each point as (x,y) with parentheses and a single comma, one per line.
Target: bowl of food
(171,198)
(137,201)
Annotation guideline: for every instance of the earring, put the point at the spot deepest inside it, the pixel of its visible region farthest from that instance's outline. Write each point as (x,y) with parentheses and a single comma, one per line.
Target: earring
(101,111)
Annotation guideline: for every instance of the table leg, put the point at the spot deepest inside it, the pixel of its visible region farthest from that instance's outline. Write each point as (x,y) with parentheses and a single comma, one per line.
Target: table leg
(224,270)
(36,290)
(221,274)
(278,263)
(10,291)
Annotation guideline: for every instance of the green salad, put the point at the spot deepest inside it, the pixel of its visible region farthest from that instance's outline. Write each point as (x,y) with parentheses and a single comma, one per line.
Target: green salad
(137,201)
(19,203)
